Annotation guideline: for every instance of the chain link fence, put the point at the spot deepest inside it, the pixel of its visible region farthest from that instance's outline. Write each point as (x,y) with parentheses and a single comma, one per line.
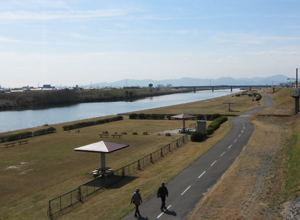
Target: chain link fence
(70,198)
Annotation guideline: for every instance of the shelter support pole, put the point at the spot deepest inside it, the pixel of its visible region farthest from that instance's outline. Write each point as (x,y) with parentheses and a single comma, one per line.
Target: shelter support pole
(103,163)
(183,129)
(296,105)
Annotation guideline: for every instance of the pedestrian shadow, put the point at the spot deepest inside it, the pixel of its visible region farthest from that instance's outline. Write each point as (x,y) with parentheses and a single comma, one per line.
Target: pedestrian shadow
(168,212)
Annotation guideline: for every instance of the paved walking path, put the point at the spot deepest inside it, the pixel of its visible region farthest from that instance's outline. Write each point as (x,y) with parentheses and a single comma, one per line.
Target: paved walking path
(189,186)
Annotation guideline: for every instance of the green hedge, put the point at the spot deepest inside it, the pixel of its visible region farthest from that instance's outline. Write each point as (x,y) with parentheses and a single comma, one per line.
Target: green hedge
(215,124)
(14,137)
(91,123)
(209,117)
(44,131)
(198,136)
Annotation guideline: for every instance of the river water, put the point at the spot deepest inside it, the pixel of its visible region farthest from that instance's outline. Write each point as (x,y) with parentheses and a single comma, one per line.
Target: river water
(21,119)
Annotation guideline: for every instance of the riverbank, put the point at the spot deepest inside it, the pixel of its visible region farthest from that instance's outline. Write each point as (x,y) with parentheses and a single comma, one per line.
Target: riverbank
(48,99)
(33,174)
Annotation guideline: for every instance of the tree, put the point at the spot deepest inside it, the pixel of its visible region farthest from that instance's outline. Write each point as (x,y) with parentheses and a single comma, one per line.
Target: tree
(150,85)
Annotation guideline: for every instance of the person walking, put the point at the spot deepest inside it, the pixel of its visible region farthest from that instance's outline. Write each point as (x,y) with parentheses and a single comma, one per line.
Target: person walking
(136,199)
(162,193)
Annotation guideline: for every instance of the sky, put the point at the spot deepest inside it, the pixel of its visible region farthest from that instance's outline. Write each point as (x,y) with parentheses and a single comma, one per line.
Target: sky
(81,42)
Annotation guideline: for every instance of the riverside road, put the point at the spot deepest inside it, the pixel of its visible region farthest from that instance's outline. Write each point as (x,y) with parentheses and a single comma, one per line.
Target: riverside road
(189,187)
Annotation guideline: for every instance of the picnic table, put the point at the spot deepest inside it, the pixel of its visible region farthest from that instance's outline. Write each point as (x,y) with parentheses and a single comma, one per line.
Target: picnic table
(103,135)
(116,135)
(98,171)
(23,141)
(183,130)
(10,144)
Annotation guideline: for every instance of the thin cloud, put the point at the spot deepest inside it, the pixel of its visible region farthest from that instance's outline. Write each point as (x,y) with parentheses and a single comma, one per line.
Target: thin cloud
(61,15)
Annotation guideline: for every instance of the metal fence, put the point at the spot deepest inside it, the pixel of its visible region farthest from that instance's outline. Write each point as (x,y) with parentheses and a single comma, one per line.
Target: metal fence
(70,198)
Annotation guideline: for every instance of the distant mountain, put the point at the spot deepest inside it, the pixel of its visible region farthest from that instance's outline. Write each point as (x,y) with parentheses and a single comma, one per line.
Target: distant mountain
(186,81)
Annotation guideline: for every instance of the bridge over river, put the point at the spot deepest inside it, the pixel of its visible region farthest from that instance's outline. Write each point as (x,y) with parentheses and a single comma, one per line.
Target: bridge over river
(221,87)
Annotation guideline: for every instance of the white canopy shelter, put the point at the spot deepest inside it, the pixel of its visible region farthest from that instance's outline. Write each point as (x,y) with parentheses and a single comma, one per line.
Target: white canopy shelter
(102,147)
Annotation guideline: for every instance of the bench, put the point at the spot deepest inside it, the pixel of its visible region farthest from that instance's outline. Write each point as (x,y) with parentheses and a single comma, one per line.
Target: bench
(10,144)
(116,135)
(103,135)
(23,141)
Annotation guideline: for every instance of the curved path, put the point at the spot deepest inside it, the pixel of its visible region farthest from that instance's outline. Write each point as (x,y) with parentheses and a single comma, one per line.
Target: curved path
(189,186)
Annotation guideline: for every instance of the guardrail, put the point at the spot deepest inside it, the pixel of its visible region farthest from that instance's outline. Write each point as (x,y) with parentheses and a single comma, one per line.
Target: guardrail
(72,197)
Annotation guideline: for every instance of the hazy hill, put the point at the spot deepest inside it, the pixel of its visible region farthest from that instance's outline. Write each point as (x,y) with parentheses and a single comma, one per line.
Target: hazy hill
(186,81)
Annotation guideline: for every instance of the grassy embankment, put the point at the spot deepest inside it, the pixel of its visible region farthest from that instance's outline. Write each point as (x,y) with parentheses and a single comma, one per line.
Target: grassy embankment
(33,174)
(266,176)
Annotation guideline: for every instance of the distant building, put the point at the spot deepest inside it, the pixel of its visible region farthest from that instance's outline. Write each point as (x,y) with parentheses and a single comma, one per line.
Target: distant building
(47,86)
(169,85)
(160,85)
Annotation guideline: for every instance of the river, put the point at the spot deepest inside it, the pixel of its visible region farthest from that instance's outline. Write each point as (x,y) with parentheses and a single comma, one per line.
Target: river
(22,119)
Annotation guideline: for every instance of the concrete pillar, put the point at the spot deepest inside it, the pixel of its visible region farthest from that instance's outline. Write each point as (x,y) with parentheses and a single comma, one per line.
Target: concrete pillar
(201,126)
(212,88)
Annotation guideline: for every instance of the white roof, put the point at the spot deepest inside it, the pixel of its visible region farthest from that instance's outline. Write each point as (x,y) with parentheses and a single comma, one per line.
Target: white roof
(101,147)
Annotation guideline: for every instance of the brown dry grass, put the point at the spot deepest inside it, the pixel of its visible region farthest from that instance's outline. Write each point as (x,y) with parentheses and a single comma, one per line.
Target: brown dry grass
(33,174)
(284,103)
(254,186)
(210,106)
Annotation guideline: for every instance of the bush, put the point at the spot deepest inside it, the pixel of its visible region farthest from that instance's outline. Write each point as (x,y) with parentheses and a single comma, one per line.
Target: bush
(215,124)
(141,116)
(168,134)
(134,133)
(124,133)
(133,116)
(90,123)
(168,116)
(258,97)
(200,117)
(154,116)
(198,136)
(209,131)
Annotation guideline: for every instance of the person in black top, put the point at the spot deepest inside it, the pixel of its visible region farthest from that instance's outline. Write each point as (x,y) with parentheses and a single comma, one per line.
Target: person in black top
(162,193)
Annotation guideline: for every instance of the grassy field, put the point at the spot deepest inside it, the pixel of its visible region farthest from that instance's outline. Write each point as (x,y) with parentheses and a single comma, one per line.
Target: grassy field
(48,166)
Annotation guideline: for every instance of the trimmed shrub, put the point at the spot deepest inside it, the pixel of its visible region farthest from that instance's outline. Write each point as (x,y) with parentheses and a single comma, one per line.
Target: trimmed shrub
(198,136)
(141,116)
(133,116)
(154,116)
(258,97)
(134,133)
(123,132)
(161,116)
(209,131)
(215,124)
(168,116)
(145,133)
(200,117)
(168,134)
(91,123)
(214,116)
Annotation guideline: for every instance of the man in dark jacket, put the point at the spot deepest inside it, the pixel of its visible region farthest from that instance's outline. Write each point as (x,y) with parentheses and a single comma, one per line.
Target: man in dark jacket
(162,193)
